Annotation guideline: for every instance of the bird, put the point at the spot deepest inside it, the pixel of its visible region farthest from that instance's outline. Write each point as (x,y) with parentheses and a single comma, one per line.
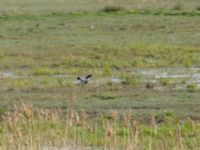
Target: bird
(84,80)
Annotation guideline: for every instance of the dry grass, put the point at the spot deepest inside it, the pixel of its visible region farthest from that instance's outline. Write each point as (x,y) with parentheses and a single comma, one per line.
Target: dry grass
(30,128)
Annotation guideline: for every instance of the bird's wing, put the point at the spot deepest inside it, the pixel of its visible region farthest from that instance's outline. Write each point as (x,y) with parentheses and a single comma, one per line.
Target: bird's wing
(88,76)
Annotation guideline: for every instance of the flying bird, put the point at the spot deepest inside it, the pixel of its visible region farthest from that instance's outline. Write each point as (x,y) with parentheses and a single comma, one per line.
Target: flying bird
(84,80)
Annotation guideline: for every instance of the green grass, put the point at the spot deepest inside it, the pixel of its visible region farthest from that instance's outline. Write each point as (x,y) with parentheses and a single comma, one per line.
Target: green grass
(45,45)
(62,36)
(104,44)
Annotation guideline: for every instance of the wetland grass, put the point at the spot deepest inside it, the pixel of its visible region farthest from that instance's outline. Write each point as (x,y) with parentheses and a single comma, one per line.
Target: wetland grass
(26,127)
(46,44)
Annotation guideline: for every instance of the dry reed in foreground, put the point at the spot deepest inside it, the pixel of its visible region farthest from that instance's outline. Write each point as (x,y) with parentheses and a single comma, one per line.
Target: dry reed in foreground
(27,128)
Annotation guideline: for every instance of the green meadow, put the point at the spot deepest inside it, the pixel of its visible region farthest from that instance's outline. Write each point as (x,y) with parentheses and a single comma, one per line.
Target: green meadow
(144,59)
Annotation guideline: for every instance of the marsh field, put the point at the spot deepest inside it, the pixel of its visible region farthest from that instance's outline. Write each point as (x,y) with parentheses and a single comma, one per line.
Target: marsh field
(144,57)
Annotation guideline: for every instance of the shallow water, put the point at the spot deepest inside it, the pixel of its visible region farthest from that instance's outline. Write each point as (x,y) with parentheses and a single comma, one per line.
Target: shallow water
(190,75)
(7,74)
(12,75)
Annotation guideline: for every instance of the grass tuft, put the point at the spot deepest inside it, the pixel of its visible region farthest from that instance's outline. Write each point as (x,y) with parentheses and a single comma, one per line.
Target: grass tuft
(164,81)
(42,71)
(150,85)
(130,79)
(107,70)
(192,87)
(112,8)
(198,8)
(177,7)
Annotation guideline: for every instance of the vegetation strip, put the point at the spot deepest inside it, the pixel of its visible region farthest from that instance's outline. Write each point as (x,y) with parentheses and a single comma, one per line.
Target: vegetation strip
(30,128)
(158,12)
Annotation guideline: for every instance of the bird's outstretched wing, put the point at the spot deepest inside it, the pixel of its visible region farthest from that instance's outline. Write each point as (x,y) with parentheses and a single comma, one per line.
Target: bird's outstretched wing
(88,76)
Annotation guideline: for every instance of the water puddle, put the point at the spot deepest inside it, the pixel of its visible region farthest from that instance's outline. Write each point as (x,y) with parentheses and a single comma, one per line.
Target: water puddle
(109,79)
(167,72)
(12,75)
(7,74)
(189,75)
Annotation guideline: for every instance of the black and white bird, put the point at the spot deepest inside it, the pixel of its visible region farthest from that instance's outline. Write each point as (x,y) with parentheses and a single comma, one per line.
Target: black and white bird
(84,80)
